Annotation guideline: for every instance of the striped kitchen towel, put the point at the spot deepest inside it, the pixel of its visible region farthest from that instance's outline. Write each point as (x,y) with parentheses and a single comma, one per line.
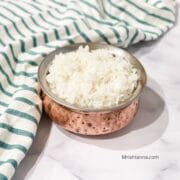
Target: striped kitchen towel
(31,29)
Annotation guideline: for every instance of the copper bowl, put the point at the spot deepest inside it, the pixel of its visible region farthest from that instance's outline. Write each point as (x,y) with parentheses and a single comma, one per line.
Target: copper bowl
(89,121)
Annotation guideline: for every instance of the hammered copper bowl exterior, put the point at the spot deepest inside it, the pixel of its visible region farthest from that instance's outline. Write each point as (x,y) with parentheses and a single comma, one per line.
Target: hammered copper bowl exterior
(91,123)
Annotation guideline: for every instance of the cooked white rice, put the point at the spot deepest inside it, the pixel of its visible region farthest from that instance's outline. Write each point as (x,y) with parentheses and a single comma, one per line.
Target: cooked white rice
(92,79)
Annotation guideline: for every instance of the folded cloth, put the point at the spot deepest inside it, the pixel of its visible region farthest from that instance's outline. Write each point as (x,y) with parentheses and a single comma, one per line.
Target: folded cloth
(29,30)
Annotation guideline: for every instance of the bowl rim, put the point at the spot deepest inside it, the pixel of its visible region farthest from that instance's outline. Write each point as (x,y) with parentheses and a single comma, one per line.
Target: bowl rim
(47,60)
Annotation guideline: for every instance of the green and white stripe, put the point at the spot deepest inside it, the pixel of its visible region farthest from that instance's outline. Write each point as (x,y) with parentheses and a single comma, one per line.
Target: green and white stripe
(30,29)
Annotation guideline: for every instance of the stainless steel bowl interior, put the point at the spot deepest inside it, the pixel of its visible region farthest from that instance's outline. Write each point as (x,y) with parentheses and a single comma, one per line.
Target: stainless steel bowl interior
(44,66)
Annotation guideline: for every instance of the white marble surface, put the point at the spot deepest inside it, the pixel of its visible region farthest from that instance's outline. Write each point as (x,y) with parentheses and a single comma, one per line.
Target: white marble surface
(57,154)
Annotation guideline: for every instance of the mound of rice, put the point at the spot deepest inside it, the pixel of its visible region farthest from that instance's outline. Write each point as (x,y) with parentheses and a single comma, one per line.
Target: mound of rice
(92,79)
